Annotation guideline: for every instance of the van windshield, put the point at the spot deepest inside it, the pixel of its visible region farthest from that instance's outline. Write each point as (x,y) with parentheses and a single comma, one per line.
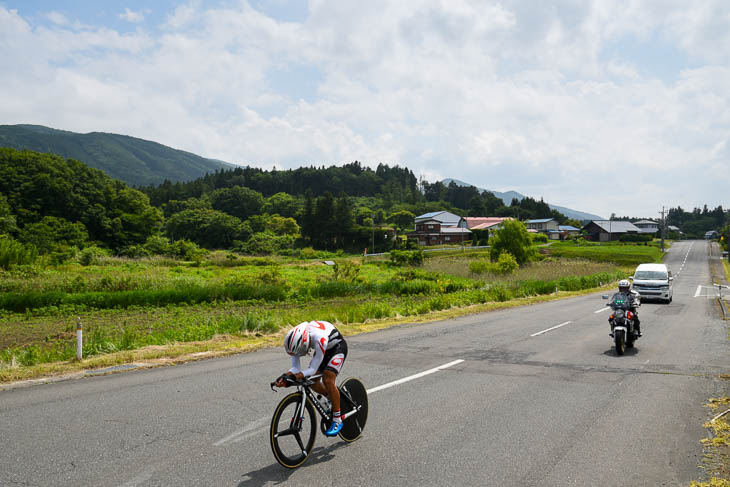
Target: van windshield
(655,275)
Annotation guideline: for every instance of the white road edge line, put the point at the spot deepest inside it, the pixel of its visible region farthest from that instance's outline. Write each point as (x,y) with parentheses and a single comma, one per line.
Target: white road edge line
(412,377)
(699,289)
(549,329)
(600,310)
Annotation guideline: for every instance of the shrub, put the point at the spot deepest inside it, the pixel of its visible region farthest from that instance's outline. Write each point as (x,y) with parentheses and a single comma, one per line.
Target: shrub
(90,255)
(479,266)
(628,237)
(506,264)
(134,251)
(347,271)
(184,249)
(157,245)
(406,257)
(14,253)
(539,238)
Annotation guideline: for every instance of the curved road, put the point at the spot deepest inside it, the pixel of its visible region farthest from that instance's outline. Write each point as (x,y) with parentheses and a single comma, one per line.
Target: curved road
(530,402)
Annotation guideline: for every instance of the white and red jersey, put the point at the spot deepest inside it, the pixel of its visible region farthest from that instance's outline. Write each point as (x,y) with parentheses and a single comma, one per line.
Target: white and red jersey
(322,337)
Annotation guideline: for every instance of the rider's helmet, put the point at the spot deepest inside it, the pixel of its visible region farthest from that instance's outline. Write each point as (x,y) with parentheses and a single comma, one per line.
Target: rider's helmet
(296,342)
(623,286)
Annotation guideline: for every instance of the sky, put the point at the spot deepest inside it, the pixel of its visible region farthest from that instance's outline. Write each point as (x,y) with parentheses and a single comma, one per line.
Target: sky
(605,107)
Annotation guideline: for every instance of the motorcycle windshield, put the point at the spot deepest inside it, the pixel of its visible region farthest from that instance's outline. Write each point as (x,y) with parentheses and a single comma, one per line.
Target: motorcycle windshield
(620,301)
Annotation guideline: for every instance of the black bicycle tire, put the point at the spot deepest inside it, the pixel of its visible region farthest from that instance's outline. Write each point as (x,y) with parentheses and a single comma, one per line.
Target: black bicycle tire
(281,457)
(353,426)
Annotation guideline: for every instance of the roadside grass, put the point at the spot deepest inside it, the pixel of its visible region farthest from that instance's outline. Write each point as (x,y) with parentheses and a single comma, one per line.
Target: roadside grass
(219,345)
(716,458)
(130,305)
(726,265)
(30,340)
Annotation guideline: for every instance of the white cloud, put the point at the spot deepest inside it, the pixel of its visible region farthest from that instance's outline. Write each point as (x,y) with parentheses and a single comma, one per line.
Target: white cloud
(57,18)
(532,97)
(131,16)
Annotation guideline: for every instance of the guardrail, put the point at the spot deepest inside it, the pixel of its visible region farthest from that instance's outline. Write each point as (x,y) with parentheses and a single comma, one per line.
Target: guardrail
(721,300)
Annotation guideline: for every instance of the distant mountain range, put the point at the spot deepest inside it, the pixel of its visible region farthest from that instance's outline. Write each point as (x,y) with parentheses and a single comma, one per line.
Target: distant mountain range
(135,161)
(509,195)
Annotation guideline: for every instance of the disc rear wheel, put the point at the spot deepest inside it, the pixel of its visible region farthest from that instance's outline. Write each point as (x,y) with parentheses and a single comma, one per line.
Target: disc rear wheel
(353,395)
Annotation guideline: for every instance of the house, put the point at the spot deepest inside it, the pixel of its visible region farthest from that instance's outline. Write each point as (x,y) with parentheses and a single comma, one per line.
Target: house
(608,230)
(568,231)
(543,225)
(439,228)
(647,226)
(491,223)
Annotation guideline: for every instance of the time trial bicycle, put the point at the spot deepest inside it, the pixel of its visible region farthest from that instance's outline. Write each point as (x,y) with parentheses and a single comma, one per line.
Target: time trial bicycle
(294,424)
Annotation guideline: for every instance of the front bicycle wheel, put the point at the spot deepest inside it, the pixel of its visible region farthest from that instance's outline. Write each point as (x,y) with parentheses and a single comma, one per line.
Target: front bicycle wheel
(352,395)
(293,430)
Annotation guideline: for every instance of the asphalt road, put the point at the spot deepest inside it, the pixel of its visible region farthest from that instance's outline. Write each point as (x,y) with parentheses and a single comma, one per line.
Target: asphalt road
(524,408)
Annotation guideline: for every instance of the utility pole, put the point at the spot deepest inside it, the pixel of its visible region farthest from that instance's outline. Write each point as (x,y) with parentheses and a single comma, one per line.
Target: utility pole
(663,227)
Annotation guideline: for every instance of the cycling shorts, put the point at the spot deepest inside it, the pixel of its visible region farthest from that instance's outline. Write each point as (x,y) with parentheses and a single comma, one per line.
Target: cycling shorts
(334,358)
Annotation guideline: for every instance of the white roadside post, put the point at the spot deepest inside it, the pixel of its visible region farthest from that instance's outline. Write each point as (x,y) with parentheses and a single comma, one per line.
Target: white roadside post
(79,340)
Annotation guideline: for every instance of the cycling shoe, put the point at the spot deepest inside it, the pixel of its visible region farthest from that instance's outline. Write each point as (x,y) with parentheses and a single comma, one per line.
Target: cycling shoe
(333,429)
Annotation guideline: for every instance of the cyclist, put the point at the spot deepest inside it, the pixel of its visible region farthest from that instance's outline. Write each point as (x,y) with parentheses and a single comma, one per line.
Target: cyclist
(330,351)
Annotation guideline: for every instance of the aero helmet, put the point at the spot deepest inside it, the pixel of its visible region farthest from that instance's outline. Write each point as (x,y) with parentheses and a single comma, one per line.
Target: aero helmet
(623,286)
(296,342)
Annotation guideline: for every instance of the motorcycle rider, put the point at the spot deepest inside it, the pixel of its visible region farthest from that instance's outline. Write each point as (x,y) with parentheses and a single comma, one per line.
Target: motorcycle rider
(624,287)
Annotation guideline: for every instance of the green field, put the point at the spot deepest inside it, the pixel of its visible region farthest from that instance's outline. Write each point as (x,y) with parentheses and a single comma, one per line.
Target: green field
(617,253)
(127,305)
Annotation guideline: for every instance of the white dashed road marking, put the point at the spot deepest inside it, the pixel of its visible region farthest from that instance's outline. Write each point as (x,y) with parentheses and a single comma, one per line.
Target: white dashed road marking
(411,377)
(550,329)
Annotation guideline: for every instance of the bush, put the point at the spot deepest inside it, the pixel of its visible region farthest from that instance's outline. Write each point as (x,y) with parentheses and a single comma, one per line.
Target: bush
(266,243)
(157,245)
(406,257)
(346,271)
(480,266)
(184,249)
(539,238)
(629,237)
(14,253)
(134,251)
(90,255)
(506,264)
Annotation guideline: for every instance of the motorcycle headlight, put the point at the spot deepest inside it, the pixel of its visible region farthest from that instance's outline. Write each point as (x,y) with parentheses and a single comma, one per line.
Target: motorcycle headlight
(619,313)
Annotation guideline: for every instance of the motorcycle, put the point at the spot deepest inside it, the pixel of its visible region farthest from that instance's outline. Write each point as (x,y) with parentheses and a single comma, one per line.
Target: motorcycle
(622,321)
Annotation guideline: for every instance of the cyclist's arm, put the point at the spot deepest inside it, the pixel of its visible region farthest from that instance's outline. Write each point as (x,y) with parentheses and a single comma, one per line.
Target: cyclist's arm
(319,349)
(295,365)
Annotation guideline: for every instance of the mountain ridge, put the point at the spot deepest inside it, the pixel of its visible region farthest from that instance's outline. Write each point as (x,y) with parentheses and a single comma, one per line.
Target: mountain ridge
(135,161)
(507,197)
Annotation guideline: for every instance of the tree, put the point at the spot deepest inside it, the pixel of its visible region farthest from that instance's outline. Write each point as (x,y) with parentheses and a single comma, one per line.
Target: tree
(52,234)
(309,221)
(211,229)
(7,219)
(403,219)
(512,238)
(281,204)
(280,225)
(238,201)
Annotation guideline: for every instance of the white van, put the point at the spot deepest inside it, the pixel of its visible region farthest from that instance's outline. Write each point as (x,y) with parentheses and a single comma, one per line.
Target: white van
(653,281)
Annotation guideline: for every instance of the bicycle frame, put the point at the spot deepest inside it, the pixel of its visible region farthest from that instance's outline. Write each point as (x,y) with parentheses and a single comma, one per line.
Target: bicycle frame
(304,388)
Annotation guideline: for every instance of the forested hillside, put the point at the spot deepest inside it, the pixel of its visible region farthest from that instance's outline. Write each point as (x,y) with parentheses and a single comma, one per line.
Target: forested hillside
(49,201)
(135,161)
